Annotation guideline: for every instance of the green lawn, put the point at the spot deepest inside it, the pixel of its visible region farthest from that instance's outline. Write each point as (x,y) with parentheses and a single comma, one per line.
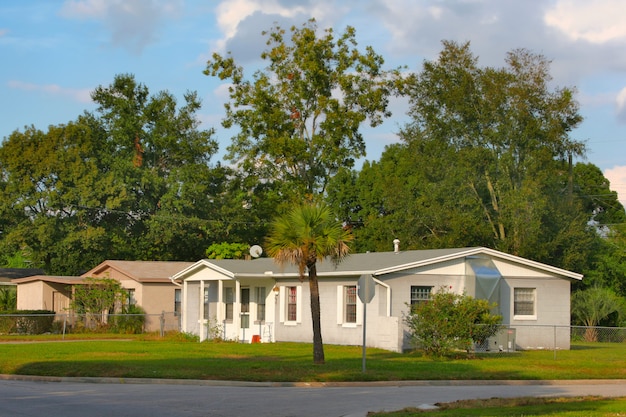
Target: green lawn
(522,407)
(281,362)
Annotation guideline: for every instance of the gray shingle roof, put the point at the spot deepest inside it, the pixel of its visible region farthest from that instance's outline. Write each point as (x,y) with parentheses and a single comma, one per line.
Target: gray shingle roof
(353,264)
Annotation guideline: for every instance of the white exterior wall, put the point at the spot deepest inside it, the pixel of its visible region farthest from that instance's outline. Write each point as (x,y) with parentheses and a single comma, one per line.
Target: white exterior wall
(386,311)
(549,329)
(382,331)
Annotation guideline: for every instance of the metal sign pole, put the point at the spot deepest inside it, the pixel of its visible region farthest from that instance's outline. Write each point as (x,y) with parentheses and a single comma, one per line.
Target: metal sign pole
(366,291)
(364,332)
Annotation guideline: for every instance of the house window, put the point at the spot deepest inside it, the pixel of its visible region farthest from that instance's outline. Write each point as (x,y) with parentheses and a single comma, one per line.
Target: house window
(229,301)
(245,300)
(349,307)
(524,301)
(260,303)
(130,298)
(177,303)
(420,294)
(206,303)
(349,297)
(292,303)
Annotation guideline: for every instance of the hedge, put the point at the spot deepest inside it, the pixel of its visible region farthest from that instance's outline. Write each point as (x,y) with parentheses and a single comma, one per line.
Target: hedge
(26,321)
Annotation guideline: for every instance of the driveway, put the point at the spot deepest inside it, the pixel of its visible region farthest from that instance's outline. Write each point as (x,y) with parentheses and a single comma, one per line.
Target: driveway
(67,397)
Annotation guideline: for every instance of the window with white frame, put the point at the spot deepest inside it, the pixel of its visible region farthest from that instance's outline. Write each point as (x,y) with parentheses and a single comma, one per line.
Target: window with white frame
(350,302)
(229,302)
(129,300)
(349,307)
(524,302)
(260,303)
(206,303)
(292,304)
(420,294)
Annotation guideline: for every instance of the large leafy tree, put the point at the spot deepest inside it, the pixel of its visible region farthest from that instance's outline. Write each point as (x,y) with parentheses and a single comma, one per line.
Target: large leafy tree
(132,180)
(484,160)
(304,236)
(508,129)
(298,118)
(51,181)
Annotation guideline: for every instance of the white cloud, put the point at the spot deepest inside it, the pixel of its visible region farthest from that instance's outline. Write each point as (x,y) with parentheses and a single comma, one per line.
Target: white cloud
(621,105)
(242,21)
(79,95)
(133,24)
(617,177)
(595,21)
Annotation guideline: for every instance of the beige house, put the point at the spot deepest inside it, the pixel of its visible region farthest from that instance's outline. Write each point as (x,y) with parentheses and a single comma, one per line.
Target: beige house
(45,292)
(147,284)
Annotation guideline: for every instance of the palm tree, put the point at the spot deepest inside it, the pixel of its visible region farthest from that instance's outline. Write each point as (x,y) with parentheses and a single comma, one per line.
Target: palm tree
(305,235)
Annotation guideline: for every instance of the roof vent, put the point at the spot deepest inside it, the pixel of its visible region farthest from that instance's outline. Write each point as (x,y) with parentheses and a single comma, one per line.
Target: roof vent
(396,245)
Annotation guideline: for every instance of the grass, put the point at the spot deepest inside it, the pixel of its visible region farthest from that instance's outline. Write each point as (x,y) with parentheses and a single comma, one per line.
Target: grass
(518,407)
(178,358)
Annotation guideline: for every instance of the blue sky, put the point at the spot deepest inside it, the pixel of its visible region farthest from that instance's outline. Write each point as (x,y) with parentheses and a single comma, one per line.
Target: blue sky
(55,52)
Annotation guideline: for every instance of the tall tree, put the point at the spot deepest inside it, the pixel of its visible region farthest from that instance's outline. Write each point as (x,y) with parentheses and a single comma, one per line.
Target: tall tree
(299,117)
(133,180)
(304,236)
(484,160)
(508,128)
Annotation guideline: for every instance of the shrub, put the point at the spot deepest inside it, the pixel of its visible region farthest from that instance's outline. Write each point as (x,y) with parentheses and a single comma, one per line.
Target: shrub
(131,321)
(27,321)
(451,321)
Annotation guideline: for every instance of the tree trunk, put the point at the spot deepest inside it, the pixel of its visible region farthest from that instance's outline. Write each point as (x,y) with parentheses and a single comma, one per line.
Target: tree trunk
(318,346)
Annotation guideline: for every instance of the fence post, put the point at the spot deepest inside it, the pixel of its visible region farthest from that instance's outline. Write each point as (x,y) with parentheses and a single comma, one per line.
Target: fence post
(554,344)
(162,323)
(64,324)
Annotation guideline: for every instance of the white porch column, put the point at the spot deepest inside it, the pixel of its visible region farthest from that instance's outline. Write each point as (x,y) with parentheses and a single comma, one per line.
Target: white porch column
(237,310)
(220,303)
(183,309)
(201,314)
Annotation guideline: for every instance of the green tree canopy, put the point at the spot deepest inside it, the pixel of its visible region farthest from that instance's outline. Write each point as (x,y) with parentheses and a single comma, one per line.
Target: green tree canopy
(484,161)
(299,117)
(132,180)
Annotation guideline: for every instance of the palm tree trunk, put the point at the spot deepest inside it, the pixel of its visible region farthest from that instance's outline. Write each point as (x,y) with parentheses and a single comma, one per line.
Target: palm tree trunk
(318,346)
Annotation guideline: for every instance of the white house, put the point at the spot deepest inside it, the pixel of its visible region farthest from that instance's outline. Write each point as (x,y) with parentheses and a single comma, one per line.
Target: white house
(257,299)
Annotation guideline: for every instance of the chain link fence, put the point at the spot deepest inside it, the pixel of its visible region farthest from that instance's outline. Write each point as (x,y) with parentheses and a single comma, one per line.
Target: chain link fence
(68,323)
(505,340)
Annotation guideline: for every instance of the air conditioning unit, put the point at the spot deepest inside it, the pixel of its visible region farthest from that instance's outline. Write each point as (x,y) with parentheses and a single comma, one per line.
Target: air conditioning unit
(503,341)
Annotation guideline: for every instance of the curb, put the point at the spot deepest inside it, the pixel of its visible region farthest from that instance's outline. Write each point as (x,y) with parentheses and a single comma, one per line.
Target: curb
(214,383)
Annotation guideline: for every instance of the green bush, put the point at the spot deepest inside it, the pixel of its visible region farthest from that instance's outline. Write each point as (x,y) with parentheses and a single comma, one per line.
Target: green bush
(449,322)
(27,321)
(132,321)
(8,324)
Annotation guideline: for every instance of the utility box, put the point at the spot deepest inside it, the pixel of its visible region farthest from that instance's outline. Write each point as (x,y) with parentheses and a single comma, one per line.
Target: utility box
(503,341)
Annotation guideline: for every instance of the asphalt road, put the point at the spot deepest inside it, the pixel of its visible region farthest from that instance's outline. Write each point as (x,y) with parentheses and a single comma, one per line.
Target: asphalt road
(68,397)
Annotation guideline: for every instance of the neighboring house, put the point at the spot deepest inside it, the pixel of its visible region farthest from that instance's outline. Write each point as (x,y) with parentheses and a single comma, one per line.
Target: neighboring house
(258,299)
(147,285)
(45,292)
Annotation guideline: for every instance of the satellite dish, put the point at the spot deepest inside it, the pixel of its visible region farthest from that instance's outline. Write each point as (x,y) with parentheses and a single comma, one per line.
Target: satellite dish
(255,251)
